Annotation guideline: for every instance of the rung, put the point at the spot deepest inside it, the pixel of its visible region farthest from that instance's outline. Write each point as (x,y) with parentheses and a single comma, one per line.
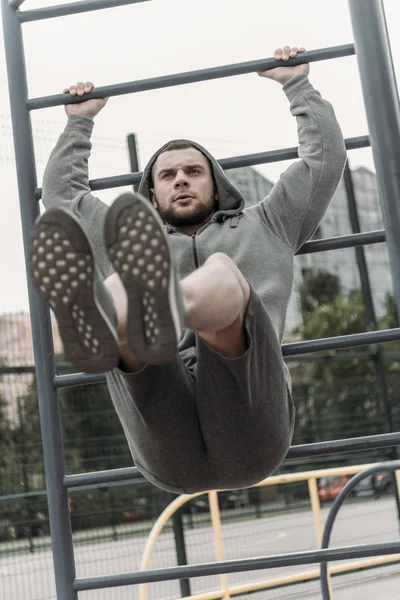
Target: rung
(121,476)
(372,442)
(342,341)
(81,479)
(75,379)
(74,8)
(233,162)
(293,349)
(237,566)
(271,156)
(155,83)
(343,241)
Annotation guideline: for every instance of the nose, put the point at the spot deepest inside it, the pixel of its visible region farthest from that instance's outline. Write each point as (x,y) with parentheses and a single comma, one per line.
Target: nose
(181,179)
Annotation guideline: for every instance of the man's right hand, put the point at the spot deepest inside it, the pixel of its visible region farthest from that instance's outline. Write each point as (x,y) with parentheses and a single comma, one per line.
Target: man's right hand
(90,108)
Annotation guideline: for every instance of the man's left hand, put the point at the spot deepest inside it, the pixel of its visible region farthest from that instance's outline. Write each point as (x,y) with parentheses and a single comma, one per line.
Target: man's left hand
(284,74)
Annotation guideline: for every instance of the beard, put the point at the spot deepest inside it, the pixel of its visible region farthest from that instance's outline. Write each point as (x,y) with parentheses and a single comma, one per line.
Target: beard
(194,217)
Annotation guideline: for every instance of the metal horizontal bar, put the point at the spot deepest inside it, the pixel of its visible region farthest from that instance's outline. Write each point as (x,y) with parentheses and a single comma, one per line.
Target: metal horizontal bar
(20,498)
(260,158)
(233,162)
(118,477)
(75,379)
(342,341)
(18,370)
(301,451)
(80,479)
(237,566)
(84,489)
(334,356)
(288,350)
(155,83)
(343,241)
(74,8)
(30,369)
(370,442)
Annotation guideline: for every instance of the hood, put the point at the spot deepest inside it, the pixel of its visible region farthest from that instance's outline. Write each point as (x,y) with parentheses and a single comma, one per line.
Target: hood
(231,201)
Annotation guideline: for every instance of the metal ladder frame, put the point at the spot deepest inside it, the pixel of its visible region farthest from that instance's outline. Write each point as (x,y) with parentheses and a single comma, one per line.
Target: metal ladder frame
(383,114)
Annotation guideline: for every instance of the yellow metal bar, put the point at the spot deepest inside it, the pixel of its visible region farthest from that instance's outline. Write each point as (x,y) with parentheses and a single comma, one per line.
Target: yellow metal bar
(216,595)
(305,475)
(297,577)
(316,508)
(275,480)
(155,532)
(219,545)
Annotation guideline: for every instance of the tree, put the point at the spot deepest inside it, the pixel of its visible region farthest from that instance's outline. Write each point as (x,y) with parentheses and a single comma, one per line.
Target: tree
(336,394)
(28,442)
(92,434)
(7,453)
(390,320)
(317,289)
(92,430)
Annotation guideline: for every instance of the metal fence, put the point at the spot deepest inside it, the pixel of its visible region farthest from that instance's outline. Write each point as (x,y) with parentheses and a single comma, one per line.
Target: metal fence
(383,113)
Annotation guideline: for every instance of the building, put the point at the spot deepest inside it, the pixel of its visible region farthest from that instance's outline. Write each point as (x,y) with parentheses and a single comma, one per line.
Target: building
(16,350)
(342,263)
(251,183)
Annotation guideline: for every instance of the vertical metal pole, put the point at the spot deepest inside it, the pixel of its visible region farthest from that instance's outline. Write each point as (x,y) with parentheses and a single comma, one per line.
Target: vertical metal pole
(316,509)
(359,250)
(133,156)
(383,113)
(63,556)
(381,98)
(375,353)
(113,516)
(219,544)
(25,479)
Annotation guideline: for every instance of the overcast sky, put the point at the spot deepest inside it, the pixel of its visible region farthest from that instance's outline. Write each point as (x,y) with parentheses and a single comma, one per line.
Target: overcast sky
(230,116)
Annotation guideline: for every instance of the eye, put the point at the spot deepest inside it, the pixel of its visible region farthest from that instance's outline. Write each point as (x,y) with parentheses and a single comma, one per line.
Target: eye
(165,175)
(195,170)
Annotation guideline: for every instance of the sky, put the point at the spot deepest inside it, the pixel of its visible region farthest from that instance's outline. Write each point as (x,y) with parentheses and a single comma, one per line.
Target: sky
(230,116)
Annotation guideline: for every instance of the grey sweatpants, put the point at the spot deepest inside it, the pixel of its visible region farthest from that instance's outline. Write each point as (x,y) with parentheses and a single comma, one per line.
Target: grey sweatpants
(225,425)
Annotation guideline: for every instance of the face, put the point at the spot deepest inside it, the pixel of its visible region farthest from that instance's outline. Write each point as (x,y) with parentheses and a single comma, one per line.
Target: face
(183,190)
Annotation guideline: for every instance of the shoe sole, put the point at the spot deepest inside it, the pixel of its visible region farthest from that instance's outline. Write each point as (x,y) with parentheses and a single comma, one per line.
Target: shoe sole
(63,271)
(138,248)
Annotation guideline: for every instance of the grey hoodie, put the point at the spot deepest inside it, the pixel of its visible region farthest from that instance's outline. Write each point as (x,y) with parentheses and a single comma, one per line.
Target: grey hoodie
(262,239)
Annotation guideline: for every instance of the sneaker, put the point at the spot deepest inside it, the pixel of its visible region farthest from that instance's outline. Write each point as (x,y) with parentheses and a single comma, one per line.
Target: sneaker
(66,277)
(138,248)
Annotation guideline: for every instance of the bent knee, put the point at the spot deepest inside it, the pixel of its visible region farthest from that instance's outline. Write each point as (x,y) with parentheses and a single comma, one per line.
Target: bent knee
(226,263)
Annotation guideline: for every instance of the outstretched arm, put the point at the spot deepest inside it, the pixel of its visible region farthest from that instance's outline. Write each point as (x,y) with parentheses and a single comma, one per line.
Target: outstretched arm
(299,199)
(66,177)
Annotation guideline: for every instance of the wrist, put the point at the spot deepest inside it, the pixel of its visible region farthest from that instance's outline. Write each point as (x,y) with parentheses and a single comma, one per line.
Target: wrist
(286,79)
(78,113)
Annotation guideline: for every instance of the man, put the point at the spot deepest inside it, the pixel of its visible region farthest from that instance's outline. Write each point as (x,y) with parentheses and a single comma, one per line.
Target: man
(188,256)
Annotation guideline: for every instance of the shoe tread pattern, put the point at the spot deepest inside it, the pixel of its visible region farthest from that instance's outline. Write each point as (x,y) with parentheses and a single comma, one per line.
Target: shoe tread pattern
(62,268)
(139,250)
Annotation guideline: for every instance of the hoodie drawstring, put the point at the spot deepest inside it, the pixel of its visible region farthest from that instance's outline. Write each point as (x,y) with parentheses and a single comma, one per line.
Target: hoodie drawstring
(234,221)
